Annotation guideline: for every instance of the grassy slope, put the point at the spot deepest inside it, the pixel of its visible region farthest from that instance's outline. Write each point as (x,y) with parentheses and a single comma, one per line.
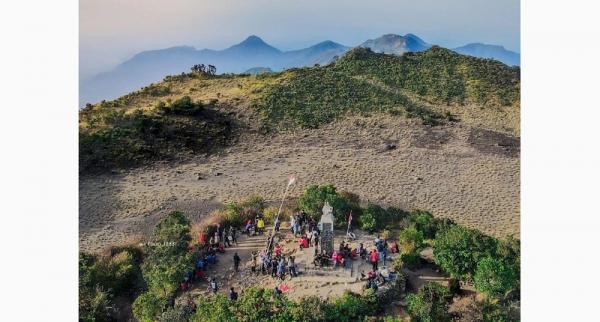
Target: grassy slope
(363,81)
(132,129)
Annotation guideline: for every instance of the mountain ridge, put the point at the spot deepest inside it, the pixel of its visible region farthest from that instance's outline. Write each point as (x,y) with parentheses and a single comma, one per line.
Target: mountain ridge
(153,65)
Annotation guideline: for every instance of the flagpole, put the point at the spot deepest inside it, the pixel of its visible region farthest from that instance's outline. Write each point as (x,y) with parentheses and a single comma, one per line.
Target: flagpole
(349,221)
(290,183)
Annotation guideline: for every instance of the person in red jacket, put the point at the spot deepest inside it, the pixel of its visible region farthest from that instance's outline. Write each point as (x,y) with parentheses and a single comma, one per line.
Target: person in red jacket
(202,238)
(303,242)
(374,257)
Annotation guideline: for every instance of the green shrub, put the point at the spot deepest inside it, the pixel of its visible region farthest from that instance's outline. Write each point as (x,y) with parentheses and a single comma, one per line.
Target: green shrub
(430,304)
(314,197)
(352,307)
(410,240)
(495,277)
(148,306)
(216,308)
(458,250)
(411,260)
(95,304)
(101,278)
(167,263)
(181,106)
(309,309)
(424,222)
(260,304)
(368,222)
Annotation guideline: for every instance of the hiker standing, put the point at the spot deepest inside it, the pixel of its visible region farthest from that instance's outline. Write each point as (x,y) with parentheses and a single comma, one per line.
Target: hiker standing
(281,268)
(213,285)
(236,261)
(253,267)
(374,257)
(291,266)
(233,295)
(277,224)
(260,224)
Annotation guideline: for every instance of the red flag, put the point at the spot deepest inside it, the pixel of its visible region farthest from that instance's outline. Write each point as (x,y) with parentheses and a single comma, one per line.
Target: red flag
(350,218)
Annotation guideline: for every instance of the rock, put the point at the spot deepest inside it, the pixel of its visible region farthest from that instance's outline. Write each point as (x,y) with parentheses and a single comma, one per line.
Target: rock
(390,147)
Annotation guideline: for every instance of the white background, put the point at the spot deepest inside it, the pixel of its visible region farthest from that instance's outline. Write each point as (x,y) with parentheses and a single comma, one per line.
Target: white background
(560,160)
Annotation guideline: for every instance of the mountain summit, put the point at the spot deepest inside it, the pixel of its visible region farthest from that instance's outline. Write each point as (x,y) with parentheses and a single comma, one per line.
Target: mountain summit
(253,45)
(395,44)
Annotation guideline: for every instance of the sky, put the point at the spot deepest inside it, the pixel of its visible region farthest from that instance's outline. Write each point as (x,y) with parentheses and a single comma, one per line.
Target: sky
(112,31)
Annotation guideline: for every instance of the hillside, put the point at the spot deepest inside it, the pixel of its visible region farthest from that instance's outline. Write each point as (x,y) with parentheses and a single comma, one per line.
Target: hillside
(364,124)
(363,81)
(434,86)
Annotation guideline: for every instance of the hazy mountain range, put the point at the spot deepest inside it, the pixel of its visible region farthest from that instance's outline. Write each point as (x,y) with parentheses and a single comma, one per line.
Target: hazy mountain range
(152,66)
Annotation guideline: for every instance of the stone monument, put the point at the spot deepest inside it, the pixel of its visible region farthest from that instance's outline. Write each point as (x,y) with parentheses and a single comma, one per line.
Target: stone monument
(326,227)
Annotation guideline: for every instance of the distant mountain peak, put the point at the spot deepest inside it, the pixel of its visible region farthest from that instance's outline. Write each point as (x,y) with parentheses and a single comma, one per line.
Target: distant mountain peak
(253,40)
(328,44)
(254,44)
(395,44)
(497,52)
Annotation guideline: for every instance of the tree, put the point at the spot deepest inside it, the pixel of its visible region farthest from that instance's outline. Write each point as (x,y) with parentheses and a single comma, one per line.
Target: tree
(199,68)
(309,309)
(212,70)
(368,222)
(214,309)
(167,263)
(314,197)
(495,277)
(430,304)
(352,307)
(458,250)
(148,306)
(373,217)
(425,222)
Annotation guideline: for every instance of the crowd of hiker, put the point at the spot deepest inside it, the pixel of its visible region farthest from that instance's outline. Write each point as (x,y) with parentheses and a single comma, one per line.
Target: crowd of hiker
(273,261)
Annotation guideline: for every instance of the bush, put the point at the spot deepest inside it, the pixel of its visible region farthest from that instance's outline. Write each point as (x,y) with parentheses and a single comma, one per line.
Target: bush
(269,214)
(424,222)
(411,260)
(148,306)
(101,278)
(352,307)
(167,263)
(216,308)
(95,304)
(430,304)
(182,106)
(309,309)
(314,197)
(495,278)
(410,240)
(374,217)
(260,304)
(458,250)
(367,222)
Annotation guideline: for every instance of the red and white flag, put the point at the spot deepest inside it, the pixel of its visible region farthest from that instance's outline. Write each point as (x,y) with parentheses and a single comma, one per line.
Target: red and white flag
(292,180)
(350,218)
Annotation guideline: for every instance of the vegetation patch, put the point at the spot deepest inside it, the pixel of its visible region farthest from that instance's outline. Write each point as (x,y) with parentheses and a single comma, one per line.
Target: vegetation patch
(114,138)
